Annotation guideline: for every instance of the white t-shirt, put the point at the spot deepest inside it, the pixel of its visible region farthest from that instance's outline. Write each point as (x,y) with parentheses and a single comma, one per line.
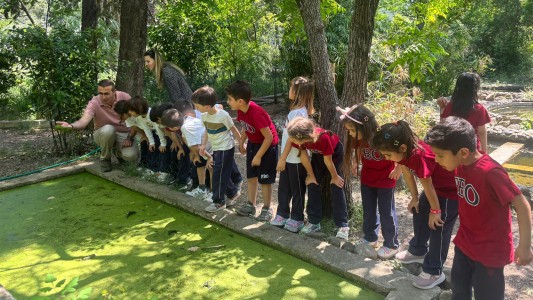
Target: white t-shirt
(293,155)
(218,127)
(147,126)
(193,131)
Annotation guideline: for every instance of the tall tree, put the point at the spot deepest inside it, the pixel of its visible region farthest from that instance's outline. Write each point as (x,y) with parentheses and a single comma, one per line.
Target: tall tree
(361,32)
(89,21)
(316,36)
(133,20)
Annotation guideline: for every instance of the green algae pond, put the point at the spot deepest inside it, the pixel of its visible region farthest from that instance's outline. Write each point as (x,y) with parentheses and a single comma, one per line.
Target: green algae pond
(124,245)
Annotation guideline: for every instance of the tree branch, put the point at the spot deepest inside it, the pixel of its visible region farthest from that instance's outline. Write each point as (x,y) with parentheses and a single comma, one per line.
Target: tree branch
(26,11)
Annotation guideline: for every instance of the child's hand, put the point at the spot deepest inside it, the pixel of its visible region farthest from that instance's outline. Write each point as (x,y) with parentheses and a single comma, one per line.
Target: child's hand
(180,154)
(396,173)
(201,150)
(210,164)
(162,149)
(442,102)
(256,162)
(151,148)
(434,221)
(126,143)
(413,204)
(523,255)
(310,179)
(174,146)
(281,165)
(338,181)
(242,149)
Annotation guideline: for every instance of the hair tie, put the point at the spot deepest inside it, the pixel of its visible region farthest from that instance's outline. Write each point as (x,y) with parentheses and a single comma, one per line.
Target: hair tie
(396,143)
(299,136)
(346,112)
(386,136)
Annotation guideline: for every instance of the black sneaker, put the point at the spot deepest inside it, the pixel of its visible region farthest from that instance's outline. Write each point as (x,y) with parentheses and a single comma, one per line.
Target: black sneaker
(105,165)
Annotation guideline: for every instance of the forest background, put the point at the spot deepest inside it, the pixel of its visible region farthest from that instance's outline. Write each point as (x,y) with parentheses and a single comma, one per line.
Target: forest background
(52,52)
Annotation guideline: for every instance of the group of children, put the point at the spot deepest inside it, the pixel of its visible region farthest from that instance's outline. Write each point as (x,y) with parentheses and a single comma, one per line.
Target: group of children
(457,177)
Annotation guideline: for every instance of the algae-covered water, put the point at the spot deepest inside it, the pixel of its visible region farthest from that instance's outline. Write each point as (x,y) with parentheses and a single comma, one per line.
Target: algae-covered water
(128,246)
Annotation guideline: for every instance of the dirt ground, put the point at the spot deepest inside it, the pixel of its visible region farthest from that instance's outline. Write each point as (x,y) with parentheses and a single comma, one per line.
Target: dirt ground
(26,150)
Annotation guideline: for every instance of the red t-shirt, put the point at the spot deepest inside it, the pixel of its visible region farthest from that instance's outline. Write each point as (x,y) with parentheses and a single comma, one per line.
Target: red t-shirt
(485,192)
(325,145)
(255,119)
(422,164)
(477,117)
(376,169)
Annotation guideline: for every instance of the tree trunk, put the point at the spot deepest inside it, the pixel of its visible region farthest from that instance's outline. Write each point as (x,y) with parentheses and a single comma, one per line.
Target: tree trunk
(89,21)
(315,30)
(361,31)
(133,20)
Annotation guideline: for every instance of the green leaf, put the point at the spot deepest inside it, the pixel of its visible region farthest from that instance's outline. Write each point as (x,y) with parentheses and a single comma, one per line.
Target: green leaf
(50,278)
(85,293)
(69,288)
(60,283)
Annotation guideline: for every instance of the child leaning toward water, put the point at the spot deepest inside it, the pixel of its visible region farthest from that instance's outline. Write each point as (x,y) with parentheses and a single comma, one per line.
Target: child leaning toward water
(434,212)
(291,187)
(484,241)
(378,179)
(327,155)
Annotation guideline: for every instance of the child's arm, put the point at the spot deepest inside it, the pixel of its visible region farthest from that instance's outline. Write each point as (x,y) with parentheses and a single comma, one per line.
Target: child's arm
(283,158)
(523,254)
(256,161)
(482,134)
(162,139)
(149,135)
(195,156)
(433,199)
(235,132)
(411,185)
(335,178)
(242,149)
(306,162)
(395,174)
(131,135)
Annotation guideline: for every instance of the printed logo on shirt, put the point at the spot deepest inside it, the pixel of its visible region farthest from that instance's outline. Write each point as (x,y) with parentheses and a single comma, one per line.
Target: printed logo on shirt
(372,154)
(247,127)
(467,191)
(264,176)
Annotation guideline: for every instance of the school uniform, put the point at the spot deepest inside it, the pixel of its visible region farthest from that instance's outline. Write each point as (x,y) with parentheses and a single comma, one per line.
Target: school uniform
(478,116)
(328,143)
(422,164)
(484,241)
(377,194)
(253,121)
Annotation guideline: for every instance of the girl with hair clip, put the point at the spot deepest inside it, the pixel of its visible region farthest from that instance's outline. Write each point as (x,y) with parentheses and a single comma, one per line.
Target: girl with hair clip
(326,149)
(168,75)
(464,104)
(378,179)
(434,212)
(292,173)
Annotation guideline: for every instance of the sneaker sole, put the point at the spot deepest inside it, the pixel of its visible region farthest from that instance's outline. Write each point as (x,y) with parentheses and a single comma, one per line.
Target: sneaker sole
(214,211)
(434,284)
(411,261)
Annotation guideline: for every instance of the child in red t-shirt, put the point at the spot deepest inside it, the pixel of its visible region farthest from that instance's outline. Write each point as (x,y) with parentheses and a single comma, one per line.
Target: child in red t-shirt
(484,241)
(464,104)
(261,150)
(326,155)
(434,212)
(378,179)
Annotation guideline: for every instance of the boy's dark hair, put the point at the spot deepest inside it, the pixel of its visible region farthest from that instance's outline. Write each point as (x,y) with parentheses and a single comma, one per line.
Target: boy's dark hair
(240,89)
(121,107)
(157,111)
(138,104)
(205,95)
(392,135)
(452,133)
(106,83)
(184,106)
(172,118)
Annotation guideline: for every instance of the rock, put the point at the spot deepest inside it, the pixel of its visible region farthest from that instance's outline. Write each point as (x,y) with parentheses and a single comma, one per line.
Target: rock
(348,246)
(366,251)
(482,96)
(515,120)
(517,127)
(505,123)
(4,294)
(445,295)
(490,97)
(414,268)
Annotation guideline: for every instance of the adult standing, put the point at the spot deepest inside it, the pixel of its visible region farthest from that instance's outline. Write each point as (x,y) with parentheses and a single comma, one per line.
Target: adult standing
(109,132)
(168,75)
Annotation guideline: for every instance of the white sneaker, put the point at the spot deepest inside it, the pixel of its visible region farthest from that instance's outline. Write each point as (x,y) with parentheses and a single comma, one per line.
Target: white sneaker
(386,252)
(197,193)
(208,197)
(214,207)
(231,201)
(343,233)
(163,177)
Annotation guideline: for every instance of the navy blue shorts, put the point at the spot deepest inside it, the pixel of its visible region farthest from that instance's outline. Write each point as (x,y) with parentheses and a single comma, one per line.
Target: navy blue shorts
(266,172)
(202,163)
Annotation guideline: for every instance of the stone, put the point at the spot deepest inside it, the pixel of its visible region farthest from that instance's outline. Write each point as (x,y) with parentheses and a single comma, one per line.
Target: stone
(445,295)
(4,294)
(517,127)
(490,97)
(515,120)
(505,123)
(366,251)
(348,246)
(414,268)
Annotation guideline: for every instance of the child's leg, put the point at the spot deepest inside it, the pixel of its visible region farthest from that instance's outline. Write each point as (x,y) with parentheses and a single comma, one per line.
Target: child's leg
(314,195)
(418,245)
(235,173)
(284,193)
(462,270)
(296,178)
(200,171)
(266,191)
(252,173)
(144,154)
(222,174)
(267,174)
(165,159)
(253,186)
(439,241)
(387,217)
(369,196)
(338,199)
(184,167)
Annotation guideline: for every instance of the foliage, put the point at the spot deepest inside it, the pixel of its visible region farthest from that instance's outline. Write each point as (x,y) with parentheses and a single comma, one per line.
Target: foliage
(58,68)
(62,290)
